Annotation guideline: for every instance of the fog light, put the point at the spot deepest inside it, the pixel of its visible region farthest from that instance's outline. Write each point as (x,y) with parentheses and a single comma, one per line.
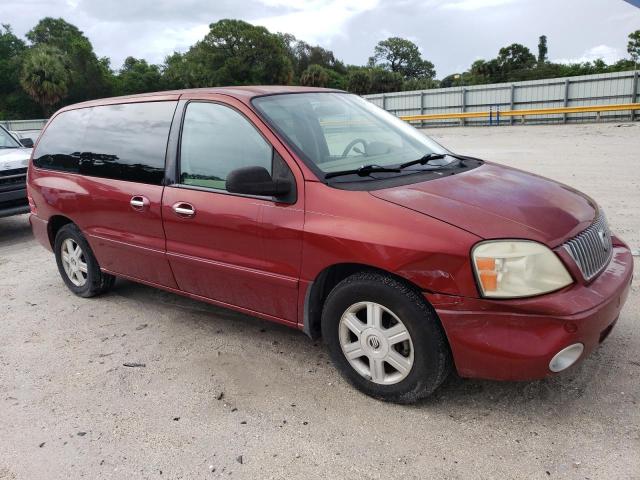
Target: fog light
(566,357)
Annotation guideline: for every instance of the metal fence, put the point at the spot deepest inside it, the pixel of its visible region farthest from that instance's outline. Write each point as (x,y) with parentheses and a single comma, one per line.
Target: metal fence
(20,125)
(600,89)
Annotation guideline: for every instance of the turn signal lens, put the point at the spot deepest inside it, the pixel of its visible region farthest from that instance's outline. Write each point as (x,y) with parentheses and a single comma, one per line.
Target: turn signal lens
(484,263)
(489,280)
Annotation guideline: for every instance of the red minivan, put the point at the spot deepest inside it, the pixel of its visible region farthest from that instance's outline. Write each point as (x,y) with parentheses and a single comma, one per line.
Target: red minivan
(316,209)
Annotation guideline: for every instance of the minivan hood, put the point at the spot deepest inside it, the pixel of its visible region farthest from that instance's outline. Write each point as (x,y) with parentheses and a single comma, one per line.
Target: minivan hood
(11,158)
(494,201)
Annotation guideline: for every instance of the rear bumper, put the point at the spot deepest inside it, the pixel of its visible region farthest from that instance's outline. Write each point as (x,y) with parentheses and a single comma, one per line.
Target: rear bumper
(40,229)
(516,339)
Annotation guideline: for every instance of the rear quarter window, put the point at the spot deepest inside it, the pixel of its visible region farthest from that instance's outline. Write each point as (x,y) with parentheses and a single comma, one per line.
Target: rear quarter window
(122,142)
(61,143)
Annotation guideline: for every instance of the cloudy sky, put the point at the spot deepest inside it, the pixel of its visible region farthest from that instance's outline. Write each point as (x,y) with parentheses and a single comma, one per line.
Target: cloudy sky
(450,33)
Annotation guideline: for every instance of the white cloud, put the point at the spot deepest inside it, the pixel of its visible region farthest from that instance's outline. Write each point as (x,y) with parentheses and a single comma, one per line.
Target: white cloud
(604,52)
(450,33)
(468,5)
(314,21)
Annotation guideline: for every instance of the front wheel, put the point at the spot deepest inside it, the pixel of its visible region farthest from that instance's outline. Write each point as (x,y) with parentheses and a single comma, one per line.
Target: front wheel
(384,338)
(77,265)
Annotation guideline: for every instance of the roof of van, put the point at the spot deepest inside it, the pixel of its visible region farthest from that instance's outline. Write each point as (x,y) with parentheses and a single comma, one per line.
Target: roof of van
(243,93)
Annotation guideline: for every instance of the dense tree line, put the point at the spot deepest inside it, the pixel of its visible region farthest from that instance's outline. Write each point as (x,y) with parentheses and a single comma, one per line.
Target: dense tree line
(56,65)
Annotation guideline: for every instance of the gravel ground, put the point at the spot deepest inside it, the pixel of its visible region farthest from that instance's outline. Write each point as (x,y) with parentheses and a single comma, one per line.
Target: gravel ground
(225,395)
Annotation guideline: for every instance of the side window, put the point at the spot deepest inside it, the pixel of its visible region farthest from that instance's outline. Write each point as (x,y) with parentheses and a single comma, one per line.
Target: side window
(61,143)
(128,141)
(216,140)
(123,142)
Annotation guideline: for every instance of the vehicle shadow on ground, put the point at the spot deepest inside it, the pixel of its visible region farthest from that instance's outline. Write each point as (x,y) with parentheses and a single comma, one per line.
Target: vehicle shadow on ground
(14,230)
(550,397)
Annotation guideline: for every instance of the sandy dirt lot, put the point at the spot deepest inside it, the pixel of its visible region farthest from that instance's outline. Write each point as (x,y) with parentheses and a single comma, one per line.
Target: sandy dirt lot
(223,395)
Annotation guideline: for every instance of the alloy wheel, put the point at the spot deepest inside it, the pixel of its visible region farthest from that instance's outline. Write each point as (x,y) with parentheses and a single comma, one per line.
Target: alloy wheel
(376,343)
(74,262)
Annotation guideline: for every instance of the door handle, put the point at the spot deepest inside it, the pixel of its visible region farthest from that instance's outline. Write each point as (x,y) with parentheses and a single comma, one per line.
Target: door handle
(183,209)
(138,202)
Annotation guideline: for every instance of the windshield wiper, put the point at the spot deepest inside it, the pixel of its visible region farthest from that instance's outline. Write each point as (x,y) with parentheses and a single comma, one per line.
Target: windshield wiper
(423,160)
(363,171)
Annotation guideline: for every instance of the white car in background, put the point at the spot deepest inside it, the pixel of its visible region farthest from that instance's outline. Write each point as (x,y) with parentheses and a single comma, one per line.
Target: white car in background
(14,159)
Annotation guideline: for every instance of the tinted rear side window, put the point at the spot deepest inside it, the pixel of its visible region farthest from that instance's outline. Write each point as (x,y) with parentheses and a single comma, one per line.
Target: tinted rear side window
(61,144)
(123,142)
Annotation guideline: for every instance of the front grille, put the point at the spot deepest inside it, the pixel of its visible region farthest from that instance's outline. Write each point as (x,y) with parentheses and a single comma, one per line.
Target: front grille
(14,175)
(13,179)
(591,249)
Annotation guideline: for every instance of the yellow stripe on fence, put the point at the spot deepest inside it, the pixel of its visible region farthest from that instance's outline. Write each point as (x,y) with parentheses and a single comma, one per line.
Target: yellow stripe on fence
(524,113)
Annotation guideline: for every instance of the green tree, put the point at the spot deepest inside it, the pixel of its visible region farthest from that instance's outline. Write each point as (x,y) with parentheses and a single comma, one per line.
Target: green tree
(453,80)
(419,84)
(238,53)
(633,47)
(401,56)
(542,49)
(181,71)
(11,51)
(515,57)
(359,81)
(302,55)
(14,102)
(88,77)
(337,80)
(137,76)
(483,71)
(44,76)
(314,76)
(383,81)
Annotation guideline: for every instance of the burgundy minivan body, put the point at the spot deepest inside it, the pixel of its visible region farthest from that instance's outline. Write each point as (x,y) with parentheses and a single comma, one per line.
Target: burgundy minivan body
(279,260)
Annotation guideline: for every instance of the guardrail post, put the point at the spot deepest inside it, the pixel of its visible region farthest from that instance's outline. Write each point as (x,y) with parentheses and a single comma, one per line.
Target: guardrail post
(421,108)
(513,87)
(566,99)
(384,101)
(634,94)
(463,104)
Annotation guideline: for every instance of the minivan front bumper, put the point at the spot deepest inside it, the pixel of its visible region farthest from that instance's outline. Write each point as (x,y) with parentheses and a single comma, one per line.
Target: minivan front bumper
(517,339)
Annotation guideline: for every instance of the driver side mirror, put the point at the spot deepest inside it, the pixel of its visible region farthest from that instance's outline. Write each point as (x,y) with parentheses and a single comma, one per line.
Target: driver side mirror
(26,142)
(256,181)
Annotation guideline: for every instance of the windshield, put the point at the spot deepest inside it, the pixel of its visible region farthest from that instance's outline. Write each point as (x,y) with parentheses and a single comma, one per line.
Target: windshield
(338,131)
(6,140)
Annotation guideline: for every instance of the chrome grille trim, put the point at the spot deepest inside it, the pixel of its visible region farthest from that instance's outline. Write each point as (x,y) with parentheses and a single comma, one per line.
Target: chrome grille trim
(591,249)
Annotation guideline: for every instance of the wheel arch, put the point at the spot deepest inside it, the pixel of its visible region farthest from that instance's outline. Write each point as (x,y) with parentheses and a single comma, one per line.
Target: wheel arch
(325,281)
(55,223)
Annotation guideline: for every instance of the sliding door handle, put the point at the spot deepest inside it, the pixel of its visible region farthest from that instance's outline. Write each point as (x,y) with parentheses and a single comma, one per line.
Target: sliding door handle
(138,202)
(183,209)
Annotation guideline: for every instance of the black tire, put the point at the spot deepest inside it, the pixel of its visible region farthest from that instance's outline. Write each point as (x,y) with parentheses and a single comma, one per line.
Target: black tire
(96,282)
(431,355)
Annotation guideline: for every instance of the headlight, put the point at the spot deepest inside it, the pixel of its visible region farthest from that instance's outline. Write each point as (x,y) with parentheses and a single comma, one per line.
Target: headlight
(517,268)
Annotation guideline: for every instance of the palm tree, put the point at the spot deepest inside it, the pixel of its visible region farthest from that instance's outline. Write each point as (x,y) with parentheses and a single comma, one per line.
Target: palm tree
(314,76)
(45,76)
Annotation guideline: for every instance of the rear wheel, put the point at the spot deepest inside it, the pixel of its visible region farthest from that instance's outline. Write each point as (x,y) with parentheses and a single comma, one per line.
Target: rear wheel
(77,265)
(384,338)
